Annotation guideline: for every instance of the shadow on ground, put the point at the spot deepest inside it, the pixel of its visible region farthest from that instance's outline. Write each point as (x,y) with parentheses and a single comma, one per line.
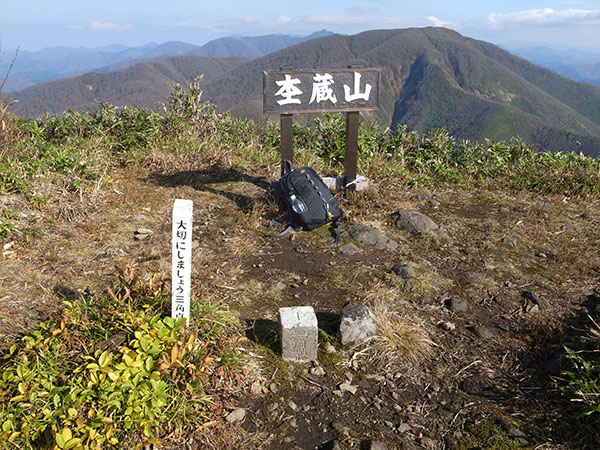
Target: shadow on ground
(204,180)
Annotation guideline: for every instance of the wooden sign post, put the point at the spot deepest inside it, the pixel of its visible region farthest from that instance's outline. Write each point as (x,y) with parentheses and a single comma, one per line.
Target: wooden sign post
(350,90)
(183,211)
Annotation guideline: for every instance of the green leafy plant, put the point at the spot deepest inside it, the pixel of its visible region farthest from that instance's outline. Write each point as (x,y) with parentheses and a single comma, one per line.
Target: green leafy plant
(68,385)
(582,383)
(6,222)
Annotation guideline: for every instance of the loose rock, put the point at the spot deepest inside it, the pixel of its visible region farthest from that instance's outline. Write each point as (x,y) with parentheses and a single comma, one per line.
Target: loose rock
(340,426)
(405,271)
(404,428)
(329,348)
(482,332)
(142,233)
(423,196)
(317,371)
(440,236)
(509,241)
(367,235)
(535,299)
(357,323)
(374,445)
(256,388)
(346,386)
(447,326)
(235,416)
(413,221)
(279,286)
(457,305)
(531,307)
(350,249)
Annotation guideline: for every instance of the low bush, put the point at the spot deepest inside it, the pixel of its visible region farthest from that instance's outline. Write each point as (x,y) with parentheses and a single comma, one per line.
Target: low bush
(113,372)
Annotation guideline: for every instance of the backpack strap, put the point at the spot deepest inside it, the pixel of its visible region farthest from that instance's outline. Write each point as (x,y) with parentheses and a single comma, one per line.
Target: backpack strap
(286,167)
(288,228)
(283,233)
(338,231)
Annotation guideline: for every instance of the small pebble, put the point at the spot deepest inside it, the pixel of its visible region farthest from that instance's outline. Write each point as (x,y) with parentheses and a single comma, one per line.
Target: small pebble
(317,371)
(237,415)
(447,326)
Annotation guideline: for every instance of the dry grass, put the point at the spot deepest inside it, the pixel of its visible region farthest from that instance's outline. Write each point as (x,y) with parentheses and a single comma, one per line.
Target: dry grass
(240,246)
(403,339)
(595,332)
(229,437)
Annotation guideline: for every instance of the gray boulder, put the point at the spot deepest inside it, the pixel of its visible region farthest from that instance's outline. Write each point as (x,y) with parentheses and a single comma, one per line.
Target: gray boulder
(457,305)
(357,323)
(404,271)
(407,273)
(413,221)
(367,235)
(350,249)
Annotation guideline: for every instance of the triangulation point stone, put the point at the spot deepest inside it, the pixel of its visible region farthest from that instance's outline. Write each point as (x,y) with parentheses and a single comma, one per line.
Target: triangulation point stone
(299,333)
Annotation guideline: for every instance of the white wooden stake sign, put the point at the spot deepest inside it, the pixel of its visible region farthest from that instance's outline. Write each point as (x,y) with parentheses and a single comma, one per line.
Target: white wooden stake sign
(183,211)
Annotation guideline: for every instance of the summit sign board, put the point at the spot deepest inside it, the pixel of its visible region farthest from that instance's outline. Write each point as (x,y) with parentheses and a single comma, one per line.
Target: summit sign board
(314,91)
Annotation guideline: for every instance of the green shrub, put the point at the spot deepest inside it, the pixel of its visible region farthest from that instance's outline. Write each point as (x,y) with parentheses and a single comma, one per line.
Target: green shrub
(65,386)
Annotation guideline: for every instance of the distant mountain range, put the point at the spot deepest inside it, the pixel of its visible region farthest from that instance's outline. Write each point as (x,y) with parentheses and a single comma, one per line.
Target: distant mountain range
(431,78)
(60,62)
(578,65)
(145,84)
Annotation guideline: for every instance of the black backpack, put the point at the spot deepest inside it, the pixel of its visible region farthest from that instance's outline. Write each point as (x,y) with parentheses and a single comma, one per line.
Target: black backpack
(309,202)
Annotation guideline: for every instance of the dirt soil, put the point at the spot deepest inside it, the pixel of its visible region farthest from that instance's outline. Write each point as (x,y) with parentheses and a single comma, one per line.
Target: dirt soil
(516,277)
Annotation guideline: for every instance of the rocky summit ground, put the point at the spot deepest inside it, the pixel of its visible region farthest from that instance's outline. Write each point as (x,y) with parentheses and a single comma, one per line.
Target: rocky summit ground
(475,312)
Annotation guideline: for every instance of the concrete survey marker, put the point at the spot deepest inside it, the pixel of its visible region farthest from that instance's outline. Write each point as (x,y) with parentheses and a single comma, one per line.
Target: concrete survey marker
(299,333)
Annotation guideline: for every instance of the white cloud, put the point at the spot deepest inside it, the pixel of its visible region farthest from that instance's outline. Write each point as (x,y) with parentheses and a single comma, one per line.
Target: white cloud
(556,28)
(545,16)
(437,22)
(284,19)
(109,26)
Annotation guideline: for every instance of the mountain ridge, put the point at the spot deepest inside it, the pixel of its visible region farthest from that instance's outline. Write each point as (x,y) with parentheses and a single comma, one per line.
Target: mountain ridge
(50,63)
(145,84)
(583,66)
(469,84)
(431,78)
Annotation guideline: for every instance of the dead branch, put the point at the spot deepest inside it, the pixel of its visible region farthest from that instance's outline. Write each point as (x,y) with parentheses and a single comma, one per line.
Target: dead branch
(10,67)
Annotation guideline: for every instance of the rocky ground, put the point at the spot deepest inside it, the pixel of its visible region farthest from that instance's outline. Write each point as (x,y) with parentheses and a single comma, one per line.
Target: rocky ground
(482,291)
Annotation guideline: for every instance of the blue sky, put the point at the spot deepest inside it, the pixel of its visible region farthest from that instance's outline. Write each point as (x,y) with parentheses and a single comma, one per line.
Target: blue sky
(34,24)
